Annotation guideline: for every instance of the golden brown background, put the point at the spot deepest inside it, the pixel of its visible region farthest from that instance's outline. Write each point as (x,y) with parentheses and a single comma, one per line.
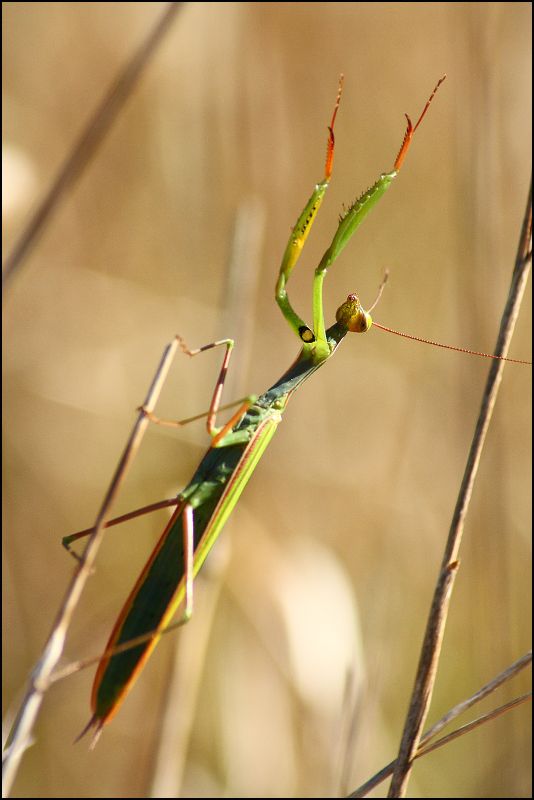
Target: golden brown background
(328,564)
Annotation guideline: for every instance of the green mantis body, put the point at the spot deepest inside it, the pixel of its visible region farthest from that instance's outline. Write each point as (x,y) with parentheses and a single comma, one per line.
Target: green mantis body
(206,503)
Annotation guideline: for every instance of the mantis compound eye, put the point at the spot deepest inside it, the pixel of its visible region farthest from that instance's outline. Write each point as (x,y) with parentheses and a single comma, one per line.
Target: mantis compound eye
(306,334)
(352,316)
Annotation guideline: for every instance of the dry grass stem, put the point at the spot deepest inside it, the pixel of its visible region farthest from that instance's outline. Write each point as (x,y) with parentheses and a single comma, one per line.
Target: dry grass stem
(428,663)
(91,137)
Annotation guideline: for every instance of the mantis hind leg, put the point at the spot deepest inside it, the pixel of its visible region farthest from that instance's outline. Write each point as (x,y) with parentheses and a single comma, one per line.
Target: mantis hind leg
(138,512)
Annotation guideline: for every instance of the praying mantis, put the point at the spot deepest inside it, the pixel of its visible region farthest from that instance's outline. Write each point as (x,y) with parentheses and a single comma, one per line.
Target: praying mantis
(203,507)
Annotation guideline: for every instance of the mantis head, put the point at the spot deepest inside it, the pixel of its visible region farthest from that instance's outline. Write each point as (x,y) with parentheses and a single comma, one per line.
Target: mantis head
(353,316)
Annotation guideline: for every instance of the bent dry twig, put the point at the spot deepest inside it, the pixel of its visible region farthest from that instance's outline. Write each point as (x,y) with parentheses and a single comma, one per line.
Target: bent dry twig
(40,678)
(424,744)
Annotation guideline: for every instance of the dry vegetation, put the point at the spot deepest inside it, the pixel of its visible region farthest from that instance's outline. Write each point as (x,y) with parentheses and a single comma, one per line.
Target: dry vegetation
(328,563)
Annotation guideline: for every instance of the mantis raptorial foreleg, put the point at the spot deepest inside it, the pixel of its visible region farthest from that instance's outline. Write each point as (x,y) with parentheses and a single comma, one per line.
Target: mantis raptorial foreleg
(300,233)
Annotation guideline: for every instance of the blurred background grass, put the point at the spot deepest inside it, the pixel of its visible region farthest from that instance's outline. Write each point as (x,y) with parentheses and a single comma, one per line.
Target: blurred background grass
(327,566)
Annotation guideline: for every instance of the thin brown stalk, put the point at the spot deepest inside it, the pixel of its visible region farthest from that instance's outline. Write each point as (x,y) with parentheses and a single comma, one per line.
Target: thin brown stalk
(425,747)
(431,648)
(91,137)
(41,677)
(476,723)
(490,687)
